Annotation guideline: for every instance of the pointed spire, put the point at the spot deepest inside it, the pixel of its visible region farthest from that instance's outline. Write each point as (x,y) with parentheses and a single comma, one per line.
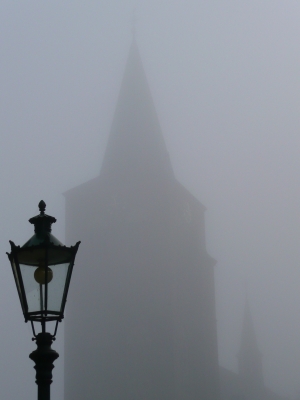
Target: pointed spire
(136,146)
(249,357)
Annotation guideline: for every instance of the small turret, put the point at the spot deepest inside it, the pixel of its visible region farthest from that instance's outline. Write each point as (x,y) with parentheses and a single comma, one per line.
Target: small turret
(249,356)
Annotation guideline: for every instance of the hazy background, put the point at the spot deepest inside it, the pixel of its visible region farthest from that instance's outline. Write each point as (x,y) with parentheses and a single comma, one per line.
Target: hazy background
(225,81)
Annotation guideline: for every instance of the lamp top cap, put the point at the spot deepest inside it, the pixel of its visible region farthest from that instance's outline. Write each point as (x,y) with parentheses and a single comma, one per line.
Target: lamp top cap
(42,229)
(42,222)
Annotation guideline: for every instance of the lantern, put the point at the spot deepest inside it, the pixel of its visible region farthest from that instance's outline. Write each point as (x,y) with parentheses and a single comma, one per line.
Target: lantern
(42,269)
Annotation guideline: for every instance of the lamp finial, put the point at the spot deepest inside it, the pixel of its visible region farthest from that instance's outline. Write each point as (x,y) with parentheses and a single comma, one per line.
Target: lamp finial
(42,207)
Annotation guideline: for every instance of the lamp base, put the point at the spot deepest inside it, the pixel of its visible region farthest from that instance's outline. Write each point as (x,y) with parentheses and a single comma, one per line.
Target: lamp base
(44,357)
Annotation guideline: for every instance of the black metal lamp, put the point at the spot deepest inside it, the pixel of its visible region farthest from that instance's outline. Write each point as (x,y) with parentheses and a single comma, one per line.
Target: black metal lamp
(42,269)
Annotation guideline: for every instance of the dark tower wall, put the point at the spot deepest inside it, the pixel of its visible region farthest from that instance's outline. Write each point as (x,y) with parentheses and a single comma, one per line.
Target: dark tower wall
(141,314)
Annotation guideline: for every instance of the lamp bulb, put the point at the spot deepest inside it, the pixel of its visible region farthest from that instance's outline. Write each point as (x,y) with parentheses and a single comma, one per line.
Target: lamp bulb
(40,275)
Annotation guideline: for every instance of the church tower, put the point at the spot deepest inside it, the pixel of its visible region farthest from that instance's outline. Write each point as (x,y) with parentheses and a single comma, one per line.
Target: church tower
(141,314)
(249,357)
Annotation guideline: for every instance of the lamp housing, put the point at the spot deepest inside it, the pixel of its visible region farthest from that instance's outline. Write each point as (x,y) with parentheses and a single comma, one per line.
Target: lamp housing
(42,269)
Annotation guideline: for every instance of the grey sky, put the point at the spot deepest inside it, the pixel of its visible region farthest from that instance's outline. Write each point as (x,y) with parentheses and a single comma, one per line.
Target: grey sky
(225,81)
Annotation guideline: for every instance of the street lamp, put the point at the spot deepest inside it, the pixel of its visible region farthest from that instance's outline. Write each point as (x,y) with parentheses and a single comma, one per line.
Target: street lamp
(42,269)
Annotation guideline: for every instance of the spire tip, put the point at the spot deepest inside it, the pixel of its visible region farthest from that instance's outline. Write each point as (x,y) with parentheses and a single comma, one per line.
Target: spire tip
(133,29)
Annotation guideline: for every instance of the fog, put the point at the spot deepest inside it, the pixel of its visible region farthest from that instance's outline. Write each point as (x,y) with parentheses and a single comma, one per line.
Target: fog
(224,77)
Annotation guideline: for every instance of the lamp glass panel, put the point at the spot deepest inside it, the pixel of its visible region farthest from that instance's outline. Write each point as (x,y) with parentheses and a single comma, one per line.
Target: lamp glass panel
(35,293)
(57,286)
(16,276)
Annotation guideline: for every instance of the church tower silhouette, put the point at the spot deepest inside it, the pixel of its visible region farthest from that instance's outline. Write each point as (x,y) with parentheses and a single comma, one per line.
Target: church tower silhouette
(141,319)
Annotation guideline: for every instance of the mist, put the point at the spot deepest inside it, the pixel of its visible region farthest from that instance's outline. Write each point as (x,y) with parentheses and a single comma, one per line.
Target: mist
(224,77)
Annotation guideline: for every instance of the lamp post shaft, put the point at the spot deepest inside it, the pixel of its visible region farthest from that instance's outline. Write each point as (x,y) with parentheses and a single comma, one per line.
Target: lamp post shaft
(44,356)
